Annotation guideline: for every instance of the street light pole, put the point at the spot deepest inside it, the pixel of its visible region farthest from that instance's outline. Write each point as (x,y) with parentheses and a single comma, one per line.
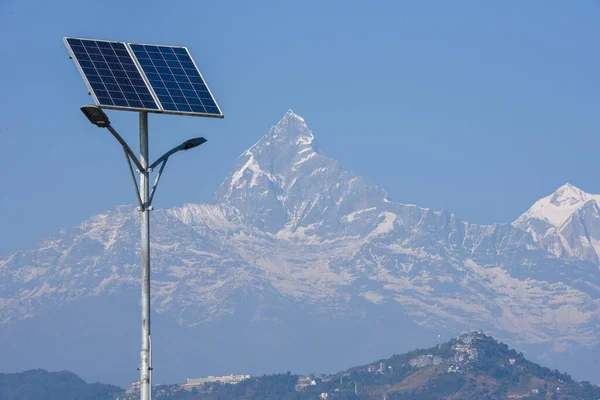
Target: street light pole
(145,367)
(97,117)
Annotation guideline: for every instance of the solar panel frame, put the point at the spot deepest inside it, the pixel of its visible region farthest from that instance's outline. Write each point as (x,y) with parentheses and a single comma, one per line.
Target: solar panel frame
(90,87)
(148,84)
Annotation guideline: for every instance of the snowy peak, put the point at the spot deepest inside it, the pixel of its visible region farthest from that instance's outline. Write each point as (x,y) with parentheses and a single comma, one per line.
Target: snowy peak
(269,163)
(565,223)
(556,208)
(569,195)
(290,115)
(290,134)
(285,180)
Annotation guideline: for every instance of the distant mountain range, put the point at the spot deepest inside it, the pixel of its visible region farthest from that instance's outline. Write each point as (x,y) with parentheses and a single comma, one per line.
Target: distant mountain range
(300,260)
(470,366)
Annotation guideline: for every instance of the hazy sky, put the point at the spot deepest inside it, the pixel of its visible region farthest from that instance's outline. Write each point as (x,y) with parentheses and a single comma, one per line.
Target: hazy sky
(475,107)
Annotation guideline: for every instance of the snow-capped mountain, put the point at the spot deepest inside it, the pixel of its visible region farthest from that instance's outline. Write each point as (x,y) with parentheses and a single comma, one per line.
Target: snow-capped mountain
(285,182)
(566,223)
(556,208)
(296,244)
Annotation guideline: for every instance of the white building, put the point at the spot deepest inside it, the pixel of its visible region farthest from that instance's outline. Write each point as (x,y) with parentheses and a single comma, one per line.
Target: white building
(230,379)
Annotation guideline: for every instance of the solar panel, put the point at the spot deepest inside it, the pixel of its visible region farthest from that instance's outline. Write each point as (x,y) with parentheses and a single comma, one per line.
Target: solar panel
(152,78)
(175,79)
(111,74)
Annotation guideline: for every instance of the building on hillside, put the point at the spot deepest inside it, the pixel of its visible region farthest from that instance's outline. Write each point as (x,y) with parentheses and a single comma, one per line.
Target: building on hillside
(303,382)
(135,388)
(425,360)
(230,379)
(465,350)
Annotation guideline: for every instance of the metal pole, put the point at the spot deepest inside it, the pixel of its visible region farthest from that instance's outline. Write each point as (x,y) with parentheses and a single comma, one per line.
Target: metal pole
(145,367)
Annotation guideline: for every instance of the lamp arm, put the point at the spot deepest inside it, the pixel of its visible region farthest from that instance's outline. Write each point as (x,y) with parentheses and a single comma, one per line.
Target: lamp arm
(162,161)
(126,148)
(188,144)
(165,156)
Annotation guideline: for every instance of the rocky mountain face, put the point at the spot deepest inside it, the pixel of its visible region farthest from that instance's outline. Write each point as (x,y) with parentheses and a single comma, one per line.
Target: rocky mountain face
(292,234)
(284,183)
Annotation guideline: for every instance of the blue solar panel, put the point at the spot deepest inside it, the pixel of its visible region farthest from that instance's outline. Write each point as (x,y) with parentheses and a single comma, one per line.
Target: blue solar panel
(175,79)
(111,73)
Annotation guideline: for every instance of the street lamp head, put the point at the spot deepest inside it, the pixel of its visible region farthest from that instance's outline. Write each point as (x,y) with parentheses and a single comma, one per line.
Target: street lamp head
(195,142)
(96,116)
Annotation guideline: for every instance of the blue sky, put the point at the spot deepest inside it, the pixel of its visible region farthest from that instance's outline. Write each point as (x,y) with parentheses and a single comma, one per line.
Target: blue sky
(475,107)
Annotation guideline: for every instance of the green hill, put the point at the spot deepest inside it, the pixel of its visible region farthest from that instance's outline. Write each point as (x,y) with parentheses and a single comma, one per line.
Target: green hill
(472,366)
(40,384)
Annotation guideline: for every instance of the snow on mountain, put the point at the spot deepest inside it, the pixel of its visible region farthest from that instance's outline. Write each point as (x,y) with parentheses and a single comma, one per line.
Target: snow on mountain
(292,229)
(285,181)
(565,223)
(556,208)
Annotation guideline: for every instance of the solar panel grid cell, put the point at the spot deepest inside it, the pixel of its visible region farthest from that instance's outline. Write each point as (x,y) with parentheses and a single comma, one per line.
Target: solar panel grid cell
(112,74)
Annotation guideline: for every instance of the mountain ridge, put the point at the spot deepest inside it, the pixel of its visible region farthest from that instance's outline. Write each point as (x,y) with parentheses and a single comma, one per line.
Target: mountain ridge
(292,229)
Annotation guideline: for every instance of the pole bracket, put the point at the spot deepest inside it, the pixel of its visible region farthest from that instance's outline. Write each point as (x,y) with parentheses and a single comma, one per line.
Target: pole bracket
(135,184)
